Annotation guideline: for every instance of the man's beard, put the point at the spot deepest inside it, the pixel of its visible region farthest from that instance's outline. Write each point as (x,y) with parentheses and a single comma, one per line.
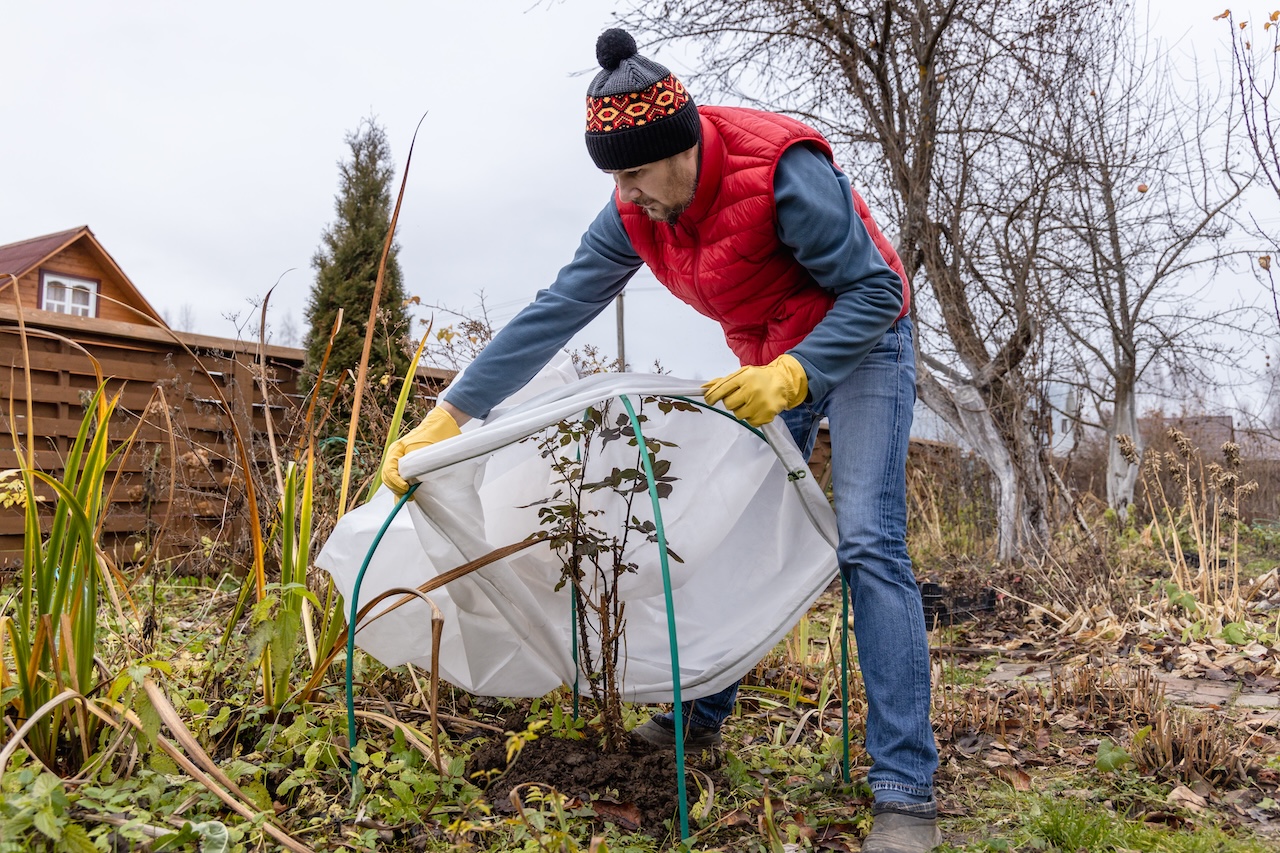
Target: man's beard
(676,211)
(666,214)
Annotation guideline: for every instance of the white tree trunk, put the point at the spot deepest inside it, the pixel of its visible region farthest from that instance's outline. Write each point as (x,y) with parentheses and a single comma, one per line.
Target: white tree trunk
(1122,475)
(964,410)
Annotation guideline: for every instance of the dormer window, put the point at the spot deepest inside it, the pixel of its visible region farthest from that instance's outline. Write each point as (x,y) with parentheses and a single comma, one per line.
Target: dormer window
(67,294)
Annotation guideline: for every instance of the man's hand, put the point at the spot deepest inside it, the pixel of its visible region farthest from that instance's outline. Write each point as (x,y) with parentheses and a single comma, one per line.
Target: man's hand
(437,426)
(758,394)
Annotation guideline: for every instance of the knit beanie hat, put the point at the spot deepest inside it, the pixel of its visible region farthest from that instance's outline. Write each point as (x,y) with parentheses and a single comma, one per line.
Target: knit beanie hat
(637,111)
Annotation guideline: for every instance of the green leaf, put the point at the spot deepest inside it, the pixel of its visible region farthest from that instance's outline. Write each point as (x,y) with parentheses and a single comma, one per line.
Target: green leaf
(148,716)
(46,784)
(47,822)
(1110,757)
(1180,598)
(162,764)
(213,836)
(176,840)
(261,611)
(259,640)
(220,722)
(285,642)
(1234,633)
(76,840)
(259,794)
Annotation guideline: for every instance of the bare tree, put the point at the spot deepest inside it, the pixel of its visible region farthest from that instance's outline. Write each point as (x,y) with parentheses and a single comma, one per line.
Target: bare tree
(186,320)
(289,333)
(942,109)
(1143,213)
(1256,73)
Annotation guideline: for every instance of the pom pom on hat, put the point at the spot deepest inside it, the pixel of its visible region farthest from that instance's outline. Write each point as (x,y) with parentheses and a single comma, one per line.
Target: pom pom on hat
(613,47)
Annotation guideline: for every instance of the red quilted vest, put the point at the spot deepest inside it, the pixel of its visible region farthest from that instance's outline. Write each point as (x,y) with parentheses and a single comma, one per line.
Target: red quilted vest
(723,255)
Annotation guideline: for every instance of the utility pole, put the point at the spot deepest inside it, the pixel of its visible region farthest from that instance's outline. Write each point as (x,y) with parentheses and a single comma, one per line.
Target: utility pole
(622,338)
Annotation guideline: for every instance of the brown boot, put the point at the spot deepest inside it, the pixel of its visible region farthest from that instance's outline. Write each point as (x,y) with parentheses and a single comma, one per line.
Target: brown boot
(895,832)
(662,733)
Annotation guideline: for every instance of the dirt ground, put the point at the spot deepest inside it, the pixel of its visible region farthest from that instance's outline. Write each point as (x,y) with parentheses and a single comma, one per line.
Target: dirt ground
(636,789)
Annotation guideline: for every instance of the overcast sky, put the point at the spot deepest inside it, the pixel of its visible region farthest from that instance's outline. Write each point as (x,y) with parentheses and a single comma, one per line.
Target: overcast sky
(200,143)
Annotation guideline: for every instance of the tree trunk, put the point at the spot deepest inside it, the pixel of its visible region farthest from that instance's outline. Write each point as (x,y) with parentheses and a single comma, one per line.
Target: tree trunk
(1122,467)
(1021,522)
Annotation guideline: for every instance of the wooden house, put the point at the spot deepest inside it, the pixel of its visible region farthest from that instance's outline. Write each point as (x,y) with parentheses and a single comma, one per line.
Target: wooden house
(70,273)
(196,405)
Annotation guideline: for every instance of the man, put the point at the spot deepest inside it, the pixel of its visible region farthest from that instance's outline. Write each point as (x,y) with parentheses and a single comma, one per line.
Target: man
(743,215)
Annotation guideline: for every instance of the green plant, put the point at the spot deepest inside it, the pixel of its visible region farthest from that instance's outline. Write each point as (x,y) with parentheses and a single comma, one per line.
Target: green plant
(1067,826)
(1265,534)
(594,558)
(282,610)
(51,636)
(1110,757)
(38,803)
(277,617)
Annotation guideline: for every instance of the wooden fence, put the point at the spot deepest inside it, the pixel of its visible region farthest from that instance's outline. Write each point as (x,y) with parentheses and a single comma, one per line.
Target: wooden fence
(186,390)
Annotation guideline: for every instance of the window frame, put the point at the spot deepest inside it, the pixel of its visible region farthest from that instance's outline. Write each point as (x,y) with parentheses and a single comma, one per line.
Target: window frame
(71,283)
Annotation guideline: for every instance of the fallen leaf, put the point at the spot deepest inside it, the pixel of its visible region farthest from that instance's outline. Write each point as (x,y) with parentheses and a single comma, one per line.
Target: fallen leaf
(1184,797)
(1169,819)
(737,817)
(1020,780)
(627,815)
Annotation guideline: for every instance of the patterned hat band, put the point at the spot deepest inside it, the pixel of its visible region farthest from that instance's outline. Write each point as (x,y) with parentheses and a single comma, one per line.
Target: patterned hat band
(636,109)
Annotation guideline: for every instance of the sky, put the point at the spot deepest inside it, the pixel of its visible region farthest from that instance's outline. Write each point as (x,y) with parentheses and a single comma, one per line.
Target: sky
(200,142)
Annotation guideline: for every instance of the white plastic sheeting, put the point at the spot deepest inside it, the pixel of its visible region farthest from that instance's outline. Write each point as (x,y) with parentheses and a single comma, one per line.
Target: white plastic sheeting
(757,546)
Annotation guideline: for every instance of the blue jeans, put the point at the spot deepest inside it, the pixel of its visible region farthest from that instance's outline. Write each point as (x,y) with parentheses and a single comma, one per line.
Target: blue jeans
(869,416)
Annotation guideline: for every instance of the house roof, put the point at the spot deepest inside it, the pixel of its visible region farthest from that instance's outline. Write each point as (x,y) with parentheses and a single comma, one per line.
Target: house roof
(18,259)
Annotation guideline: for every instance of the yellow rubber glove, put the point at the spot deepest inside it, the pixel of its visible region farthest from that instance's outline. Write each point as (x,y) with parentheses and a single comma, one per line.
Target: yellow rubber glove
(758,394)
(435,427)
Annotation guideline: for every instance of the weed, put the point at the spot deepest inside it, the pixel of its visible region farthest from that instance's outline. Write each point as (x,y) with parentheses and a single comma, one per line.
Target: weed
(1185,746)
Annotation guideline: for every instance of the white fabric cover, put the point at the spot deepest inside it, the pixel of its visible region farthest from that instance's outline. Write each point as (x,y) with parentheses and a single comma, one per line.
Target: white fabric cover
(758,547)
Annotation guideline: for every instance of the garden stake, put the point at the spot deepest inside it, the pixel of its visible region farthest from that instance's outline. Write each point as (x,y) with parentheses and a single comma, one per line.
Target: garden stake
(573,630)
(678,717)
(351,633)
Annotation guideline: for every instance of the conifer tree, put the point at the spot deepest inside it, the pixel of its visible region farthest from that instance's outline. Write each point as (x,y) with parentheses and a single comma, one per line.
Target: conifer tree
(346,265)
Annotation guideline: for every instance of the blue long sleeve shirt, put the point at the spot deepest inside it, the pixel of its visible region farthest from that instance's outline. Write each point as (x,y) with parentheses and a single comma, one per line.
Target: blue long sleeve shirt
(816,220)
